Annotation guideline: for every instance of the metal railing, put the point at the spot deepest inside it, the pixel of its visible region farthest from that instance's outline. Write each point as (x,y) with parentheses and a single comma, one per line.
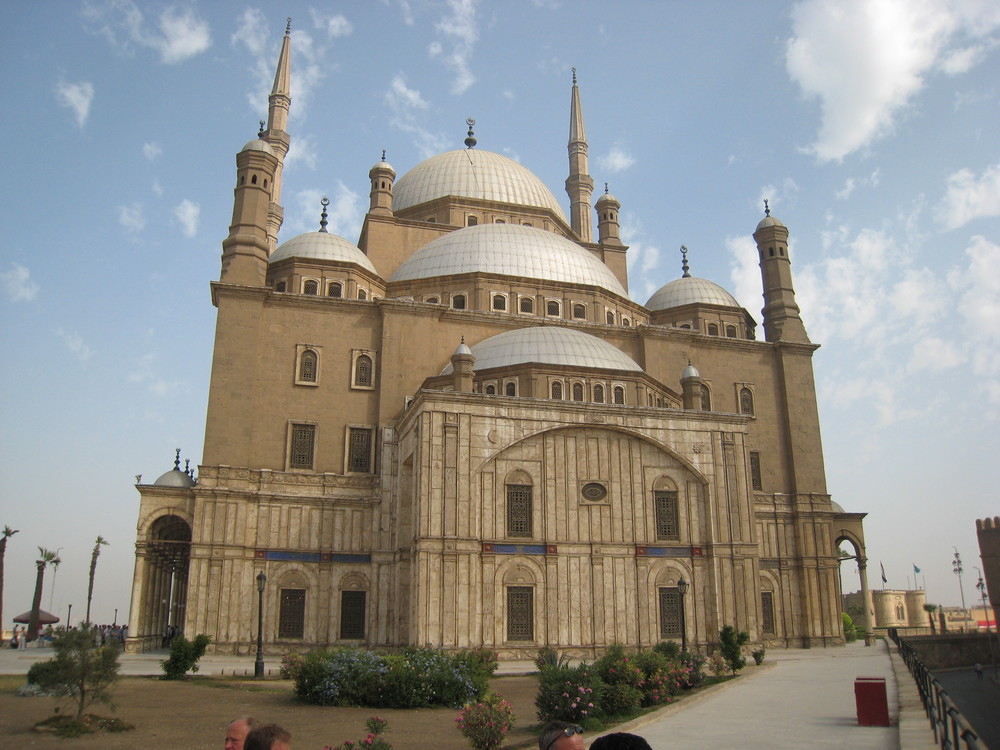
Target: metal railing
(951,729)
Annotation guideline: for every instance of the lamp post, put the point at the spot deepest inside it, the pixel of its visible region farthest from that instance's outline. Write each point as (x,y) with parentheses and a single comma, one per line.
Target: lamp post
(69,617)
(682,589)
(258,665)
(956,567)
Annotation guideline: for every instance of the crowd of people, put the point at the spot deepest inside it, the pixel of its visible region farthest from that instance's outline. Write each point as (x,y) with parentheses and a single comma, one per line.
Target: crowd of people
(104,635)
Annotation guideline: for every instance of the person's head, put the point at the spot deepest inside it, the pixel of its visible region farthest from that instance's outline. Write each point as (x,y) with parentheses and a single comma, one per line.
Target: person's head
(620,741)
(561,735)
(268,737)
(237,731)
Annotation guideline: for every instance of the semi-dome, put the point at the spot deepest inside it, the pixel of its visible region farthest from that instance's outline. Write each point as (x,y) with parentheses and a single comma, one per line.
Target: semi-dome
(322,246)
(471,173)
(549,345)
(509,250)
(258,144)
(690,290)
(174,478)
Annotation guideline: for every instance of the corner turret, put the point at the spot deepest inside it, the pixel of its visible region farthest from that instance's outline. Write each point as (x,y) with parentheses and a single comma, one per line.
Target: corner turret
(781,314)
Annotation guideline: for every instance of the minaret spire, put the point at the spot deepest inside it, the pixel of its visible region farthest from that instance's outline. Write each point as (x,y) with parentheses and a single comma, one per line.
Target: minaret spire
(276,135)
(579,184)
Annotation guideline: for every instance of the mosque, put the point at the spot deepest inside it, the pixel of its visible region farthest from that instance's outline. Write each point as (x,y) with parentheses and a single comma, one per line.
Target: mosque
(461,431)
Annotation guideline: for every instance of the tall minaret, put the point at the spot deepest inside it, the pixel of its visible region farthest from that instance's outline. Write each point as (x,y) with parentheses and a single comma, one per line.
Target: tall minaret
(579,185)
(277,131)
(781,314)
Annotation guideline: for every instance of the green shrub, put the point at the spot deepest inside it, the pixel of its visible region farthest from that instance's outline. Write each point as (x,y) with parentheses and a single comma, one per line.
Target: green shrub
(850,631)
(717,663)
(670,649)
(549,657)
(568,694)
(40,672)
(731,645)
(184,656)
(290,665)
(620,699)
(616,667)
(81,671)
(693,669)
(758,656)
(486,723)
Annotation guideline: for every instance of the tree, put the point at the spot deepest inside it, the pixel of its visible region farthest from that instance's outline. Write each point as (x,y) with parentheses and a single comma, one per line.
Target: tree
(731,645)
(929,609)
(8,532)
(81,670)
(45,557)
(101,541)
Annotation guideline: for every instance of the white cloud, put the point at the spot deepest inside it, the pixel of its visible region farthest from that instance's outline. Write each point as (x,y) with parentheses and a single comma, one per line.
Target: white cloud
(744,272)
(152,151)
(406,104)
(775,195)
(918,297)
(969,197)
(157,188)
(643,258)
(401,98)
(75,343)
(845,192)
(345,213)
(979,305)
(335,26)
(865,60)
(179,34)
(460,29)
(186,213)
(132,218)
(18,285)
(252,31)
(76,96)
(963,60)
(935,355)
(302,150)
(616,160)
(145,373)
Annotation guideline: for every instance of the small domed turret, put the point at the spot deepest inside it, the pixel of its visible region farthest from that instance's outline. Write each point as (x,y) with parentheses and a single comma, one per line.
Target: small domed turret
(382,177)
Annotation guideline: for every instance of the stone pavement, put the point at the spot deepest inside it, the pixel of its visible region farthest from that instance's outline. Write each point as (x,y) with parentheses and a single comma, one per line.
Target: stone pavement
(796,699)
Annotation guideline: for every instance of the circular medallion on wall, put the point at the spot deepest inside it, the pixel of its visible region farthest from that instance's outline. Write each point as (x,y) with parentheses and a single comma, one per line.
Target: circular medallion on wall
(594,491)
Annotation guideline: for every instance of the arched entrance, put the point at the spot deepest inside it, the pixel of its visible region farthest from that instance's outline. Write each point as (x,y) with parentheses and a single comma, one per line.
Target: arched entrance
(851,549)
(164,556)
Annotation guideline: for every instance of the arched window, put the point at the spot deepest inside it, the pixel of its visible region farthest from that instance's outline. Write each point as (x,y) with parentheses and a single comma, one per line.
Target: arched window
(598,394)
(519,509)
(552,308)
(335,289)
(746,401)
(731,332)
(706,399)
(280,286)
(499,302)
(362,294)
(900,612)
(432,300)
(471,221)
(310,287)
(308,366)
(510,388)
(610,317)
(667,514)
(578,391)
(491,390)
(363,371)
(253,181)
(458,302)
(526,305)
(713,329)
(580,312)
(619,395)
(499,221)
(626,322)
(557,390)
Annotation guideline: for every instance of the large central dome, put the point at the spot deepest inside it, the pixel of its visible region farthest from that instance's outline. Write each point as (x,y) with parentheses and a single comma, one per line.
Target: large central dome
(470,173)
(509,250)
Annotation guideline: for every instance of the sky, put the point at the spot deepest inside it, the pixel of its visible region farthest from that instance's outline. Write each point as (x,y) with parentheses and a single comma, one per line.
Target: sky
(870,126)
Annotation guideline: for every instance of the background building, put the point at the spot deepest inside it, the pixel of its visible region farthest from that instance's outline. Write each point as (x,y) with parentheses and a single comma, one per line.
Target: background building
(461,431)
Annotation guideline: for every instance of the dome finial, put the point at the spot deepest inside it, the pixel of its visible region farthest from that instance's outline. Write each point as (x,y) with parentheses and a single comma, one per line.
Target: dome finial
(767,208)
(684,263)
(260,130)
(177,460)
(383,154)
(471,140)
(322,217)
(288,26)
(605,188)
(574,76)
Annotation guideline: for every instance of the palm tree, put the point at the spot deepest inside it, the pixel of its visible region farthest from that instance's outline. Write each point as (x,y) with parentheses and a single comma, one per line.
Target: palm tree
(45,557)
(8,532)
(929,609)
(93,568)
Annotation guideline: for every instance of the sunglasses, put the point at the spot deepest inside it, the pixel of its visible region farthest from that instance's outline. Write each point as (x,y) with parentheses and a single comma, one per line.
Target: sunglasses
(567,732)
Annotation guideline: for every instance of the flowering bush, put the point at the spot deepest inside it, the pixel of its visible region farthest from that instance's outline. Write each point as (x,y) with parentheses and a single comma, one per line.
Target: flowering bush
(290,665)
(568,694)
(717,663)
(618,668)
(620,699)
(486,723)
(694,672)
(372,741)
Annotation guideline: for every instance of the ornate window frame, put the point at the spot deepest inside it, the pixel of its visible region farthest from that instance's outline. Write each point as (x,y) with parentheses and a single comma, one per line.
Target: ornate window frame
(300,352)
(356,384)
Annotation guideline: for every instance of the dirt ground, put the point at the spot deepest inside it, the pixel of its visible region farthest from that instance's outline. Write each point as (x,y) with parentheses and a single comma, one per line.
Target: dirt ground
(193,715)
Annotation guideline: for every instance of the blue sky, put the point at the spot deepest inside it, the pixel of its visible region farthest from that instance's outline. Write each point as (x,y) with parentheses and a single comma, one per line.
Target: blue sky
(870,126)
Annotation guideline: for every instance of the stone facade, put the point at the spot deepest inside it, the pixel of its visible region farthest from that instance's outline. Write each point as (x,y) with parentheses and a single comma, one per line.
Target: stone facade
(505,451)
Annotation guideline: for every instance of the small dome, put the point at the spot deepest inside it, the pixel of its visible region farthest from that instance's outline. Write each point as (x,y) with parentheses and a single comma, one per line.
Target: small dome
(462,349)
(471,173)
(690,372)
(690,290)
(549,345)
(174,478)
(258,144)
(837,507)
(509,250)
(607,198)
(322,246)
(382,166)
(769,221)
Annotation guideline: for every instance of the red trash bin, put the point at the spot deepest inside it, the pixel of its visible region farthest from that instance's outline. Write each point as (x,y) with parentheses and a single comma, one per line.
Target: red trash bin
(873,705)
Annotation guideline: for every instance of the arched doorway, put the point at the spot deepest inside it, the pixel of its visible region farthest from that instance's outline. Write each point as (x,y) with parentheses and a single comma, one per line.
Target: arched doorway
(851,551)
(166,556)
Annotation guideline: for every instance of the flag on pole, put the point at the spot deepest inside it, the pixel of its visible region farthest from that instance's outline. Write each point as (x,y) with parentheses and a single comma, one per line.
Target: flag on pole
(916,570)
(884,579)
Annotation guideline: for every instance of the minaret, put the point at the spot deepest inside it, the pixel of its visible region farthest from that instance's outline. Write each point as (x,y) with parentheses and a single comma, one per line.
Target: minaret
(462,362)
(277,131)
(608,228)
(246,249)
(781,314)
(382,176)
(579,184)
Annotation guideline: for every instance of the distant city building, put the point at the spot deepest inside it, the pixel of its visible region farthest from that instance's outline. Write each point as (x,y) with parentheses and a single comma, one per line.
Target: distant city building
(988,534)
(461,431)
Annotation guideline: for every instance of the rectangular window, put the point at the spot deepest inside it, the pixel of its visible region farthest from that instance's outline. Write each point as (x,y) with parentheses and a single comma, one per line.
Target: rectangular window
(359,449)
(767,612)
(519,507)
(755,481)
(352,615)
(520,613)
(670,613)
(667,518)
(300,454)
(292,617)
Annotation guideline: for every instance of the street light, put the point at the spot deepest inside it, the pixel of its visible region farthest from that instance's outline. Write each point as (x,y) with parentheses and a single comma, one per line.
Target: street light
(956,567)
(682,589)
(258,665)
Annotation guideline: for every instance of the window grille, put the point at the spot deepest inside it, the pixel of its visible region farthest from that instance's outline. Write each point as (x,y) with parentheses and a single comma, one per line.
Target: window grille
(520,613)
(310,287)
(767,612)
(362,294)
(499,302)
(755,479)
(292,616)
(303,440)
(713,329)
(610,317)
(363,370)
(526,305)
(746,401)
(706,399)
(491,390)
(731,332)
(599,394)
(510,389)
(519,509)
(335,289)
(458,302)
(670,613)
(352,615)
(552,308)
(307,366)
(359,451)
(619,395)
(667,517)
(557,390)
(579,312)
(578,391)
